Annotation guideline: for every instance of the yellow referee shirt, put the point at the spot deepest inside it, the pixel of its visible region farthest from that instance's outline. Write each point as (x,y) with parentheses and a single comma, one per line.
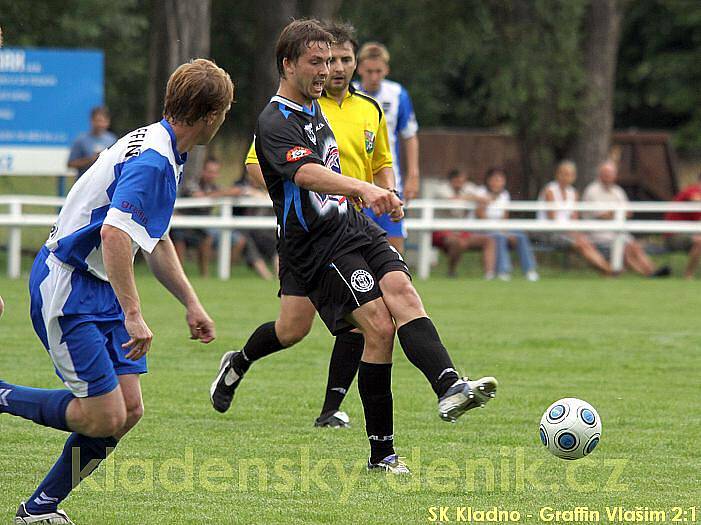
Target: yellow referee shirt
(359,126)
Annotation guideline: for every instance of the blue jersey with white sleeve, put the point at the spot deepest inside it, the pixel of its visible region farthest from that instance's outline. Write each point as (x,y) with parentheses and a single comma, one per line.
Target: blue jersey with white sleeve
(131,186)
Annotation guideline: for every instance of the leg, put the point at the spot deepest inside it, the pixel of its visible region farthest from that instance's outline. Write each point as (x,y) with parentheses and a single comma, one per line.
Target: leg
(525,252)
(453,249)
(180,249)
(374,378)
(587,250)
(344,363)
(635,258)
(489,251)
(503,257)
(694,257)
(293,324)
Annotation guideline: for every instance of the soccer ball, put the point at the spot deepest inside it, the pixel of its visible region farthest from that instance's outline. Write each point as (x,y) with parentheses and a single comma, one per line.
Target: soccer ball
(570,428)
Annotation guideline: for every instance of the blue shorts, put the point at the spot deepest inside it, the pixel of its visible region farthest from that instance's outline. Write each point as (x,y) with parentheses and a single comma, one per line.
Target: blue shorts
(393,229)
(81,324)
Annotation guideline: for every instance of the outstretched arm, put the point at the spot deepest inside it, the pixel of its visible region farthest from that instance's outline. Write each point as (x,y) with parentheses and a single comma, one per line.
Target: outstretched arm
(165,265)
(315,177)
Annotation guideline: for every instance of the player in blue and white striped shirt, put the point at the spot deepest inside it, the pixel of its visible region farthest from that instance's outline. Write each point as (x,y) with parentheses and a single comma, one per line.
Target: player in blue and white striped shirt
(84,303)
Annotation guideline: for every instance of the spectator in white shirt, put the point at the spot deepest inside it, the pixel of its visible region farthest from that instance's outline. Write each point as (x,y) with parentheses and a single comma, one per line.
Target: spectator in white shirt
(562,192)
(605,189)
(493,194)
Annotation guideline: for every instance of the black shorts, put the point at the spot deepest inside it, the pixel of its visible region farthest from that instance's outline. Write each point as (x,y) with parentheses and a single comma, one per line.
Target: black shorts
(351,280)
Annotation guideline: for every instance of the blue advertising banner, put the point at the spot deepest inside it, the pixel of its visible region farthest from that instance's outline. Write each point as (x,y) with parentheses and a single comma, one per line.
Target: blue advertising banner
(45,100)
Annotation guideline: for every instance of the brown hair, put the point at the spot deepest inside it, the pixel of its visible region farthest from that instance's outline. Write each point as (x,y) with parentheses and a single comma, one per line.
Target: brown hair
(373,50)
(297,35)
(342,32)
(196,89)
(100,110)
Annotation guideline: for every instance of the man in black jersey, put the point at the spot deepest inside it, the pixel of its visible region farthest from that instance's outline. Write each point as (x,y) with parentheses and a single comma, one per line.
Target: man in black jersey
(333,256)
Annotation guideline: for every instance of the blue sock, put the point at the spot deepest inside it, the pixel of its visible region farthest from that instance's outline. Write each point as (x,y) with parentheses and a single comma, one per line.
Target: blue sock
(43,406)
(63,478)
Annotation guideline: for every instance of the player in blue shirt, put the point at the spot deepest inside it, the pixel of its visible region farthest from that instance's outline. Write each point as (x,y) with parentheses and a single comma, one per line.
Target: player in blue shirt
(373,67)
(85,307)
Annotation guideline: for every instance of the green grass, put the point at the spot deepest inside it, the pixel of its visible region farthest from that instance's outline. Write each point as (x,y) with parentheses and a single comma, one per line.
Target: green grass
(630,347)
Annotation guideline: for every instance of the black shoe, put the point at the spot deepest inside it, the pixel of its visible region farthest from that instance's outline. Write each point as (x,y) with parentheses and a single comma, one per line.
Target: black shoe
(221,393)
(664,271)
(50,518)
(336,419)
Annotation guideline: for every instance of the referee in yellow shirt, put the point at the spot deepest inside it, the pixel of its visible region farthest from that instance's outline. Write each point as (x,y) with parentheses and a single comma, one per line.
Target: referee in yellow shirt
(359,126)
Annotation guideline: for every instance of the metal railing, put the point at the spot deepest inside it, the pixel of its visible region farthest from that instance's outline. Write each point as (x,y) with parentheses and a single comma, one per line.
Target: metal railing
(421,219)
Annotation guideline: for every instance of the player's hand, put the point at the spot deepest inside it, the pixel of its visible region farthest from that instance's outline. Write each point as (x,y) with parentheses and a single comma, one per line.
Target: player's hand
(201,325)
(411,188)
(397,214)
(379,200)
(140,334)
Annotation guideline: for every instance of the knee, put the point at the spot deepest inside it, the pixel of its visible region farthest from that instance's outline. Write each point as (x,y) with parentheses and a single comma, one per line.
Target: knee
(380,331)
(107,424)
(134,415)
(290,334)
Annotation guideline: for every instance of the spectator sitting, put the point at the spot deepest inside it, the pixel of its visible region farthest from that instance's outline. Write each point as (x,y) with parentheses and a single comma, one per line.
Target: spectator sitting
(455,243)
(88,146)
(561,191)
(605,189)
(690,243)
(200,239)
(494,192)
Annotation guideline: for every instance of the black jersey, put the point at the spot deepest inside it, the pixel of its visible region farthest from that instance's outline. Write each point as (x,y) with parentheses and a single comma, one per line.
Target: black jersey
(313,228)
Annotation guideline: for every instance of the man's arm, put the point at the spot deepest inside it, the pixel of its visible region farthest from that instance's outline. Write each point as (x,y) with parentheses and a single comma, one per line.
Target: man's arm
(411,177)
(255,175)
(315,177)
(116,254)
(164,264)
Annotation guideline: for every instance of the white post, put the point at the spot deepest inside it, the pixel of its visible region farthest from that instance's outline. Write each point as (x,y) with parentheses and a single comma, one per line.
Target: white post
(425,244)
(14,244)
(225,244)
(619,243)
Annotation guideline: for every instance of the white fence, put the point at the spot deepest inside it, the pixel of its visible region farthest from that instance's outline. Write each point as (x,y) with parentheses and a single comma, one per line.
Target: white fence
(421,219)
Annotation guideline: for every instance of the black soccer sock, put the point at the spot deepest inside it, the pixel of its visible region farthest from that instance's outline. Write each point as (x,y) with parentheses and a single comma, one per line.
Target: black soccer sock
(343,366)
(423,347)
(375,387)
(262,342)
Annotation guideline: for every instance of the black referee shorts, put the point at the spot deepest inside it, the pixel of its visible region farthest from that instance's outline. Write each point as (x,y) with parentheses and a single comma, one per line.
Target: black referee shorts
(351,280)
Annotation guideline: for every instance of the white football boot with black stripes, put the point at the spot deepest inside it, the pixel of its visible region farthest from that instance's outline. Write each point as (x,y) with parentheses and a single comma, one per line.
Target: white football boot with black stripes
(221,393)
(464,395)
(392,464)
(50,518)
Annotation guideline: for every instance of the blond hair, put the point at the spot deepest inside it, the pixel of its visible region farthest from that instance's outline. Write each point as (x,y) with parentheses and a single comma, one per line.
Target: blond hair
(196,89)
(373,50)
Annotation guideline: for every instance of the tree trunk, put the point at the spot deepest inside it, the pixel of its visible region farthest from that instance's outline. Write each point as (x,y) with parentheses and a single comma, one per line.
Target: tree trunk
(273,15)
(603,20)
(180,31)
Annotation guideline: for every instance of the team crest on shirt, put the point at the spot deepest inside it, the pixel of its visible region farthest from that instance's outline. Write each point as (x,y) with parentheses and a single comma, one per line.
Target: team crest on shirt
(362,281)
(369,141)
(297,153)
(310,132)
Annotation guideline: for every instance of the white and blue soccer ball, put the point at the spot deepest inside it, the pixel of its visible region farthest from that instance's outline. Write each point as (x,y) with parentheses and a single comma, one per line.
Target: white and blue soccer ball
(570,428)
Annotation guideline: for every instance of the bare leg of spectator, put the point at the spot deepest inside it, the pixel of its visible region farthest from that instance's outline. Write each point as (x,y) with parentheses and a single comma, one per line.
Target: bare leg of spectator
(489,251)
(587,250)
(694,256)
(454,250)
(237,249)
(204,252)
(262,269)
(637,260)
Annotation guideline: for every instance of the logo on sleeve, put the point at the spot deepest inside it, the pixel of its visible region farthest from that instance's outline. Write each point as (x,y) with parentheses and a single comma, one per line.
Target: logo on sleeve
(298,153)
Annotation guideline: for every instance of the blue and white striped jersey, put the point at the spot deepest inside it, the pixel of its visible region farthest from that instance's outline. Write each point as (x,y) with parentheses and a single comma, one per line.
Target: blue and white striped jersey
(132,186)
(400,117)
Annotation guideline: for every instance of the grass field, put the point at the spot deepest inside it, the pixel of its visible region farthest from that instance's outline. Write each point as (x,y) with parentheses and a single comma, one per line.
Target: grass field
(630,347)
